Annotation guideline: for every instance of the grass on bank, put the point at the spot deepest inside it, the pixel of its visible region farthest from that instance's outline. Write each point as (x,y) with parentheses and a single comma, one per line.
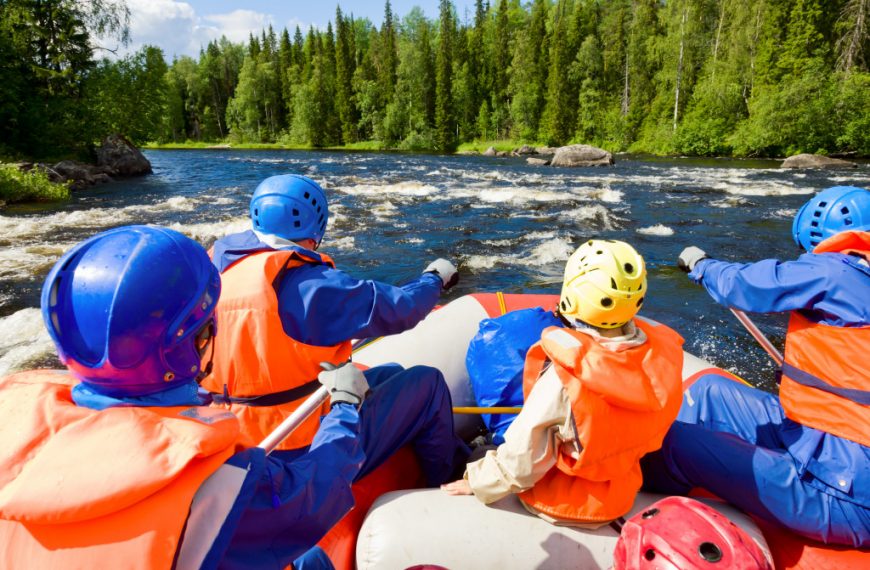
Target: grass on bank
(362,145)
(501,145)
(474,146)
(30,186)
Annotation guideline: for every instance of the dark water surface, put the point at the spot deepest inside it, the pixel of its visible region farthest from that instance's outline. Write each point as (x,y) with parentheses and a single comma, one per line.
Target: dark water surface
(511,226)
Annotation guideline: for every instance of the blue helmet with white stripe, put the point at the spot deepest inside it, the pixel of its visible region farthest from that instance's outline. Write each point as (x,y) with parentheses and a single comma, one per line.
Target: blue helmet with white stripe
(830,212)
(290,206)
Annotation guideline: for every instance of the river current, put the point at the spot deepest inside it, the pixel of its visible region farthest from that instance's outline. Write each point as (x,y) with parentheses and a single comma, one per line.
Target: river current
(509,226)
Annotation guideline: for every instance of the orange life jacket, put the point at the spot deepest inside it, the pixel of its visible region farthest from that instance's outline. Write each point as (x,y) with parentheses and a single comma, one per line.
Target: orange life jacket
(623,403)
(81,488)
(259,373)
(825,376)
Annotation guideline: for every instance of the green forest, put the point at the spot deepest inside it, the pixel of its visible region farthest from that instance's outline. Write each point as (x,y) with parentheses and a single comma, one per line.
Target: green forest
(691,77)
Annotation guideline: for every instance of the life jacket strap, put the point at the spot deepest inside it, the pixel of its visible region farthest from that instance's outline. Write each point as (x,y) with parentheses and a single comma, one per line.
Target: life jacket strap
(806,379)
(274,399)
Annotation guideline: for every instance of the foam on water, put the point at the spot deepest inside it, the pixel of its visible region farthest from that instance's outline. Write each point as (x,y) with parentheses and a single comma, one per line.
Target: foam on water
(345,243)
(21,262)
(591,213)
(656,230)
(25,341)
(406,189)
(208,232)
(548,250)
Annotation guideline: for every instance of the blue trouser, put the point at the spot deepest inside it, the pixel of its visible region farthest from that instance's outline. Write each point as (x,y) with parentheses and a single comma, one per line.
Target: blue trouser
(410,406)
(735,441)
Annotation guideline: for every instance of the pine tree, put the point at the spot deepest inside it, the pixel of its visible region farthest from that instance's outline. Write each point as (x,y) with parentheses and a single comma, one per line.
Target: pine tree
(444,119)
(345,66)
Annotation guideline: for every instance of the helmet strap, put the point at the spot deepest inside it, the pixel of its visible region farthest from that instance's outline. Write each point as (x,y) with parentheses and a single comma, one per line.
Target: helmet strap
(206,370)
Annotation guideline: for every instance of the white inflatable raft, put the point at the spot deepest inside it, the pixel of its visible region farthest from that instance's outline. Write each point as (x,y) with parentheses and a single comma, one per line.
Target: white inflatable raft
(407,528)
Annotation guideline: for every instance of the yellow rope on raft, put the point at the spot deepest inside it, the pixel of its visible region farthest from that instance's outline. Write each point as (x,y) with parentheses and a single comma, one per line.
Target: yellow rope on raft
(501,305)
(486,410)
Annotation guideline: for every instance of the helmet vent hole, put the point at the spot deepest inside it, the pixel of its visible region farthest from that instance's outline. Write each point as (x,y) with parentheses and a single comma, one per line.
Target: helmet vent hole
(822,205)
(297,224)
(606,302)
(613,283)
(815,234)
(256,211)
(295,212)
(599,252)
(563,305)
(710,552)
(650,554)
(640,302)
(814,223)
(817,214)
(629,268)
(640,287)
(306,195)
(650,513)
(848,221)
(844,210)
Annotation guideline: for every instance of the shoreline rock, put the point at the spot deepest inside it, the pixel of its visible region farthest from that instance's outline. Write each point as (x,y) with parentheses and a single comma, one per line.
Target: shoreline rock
(116,158)
(815,161)
(581,155)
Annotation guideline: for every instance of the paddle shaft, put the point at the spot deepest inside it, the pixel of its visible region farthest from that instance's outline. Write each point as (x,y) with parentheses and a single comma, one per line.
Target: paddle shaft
(486,410)
(295,419)
(758,336)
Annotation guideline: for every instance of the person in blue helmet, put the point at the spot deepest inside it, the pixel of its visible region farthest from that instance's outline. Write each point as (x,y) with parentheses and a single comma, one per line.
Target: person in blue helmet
(286,309)
(800,459)
(115,462)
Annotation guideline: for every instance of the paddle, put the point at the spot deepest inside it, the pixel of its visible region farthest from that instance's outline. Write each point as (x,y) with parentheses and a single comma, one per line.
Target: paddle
(759,336)
(486,410)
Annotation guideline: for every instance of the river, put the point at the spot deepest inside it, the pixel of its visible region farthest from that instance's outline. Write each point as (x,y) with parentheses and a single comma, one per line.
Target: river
(510,226)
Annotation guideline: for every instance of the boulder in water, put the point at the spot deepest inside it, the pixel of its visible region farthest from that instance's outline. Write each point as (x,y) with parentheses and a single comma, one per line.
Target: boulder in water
(525,149)
(537,161)
(545,150)
(815,161)
(121,157)
(490,152)
(581,155)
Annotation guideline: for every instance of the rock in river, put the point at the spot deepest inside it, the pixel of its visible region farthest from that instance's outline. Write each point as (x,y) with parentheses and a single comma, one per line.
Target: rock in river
(581,155)
(815,161)
(121,157)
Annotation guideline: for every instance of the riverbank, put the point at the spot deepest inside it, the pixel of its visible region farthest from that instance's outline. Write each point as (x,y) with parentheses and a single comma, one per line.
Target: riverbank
(29,186)
(478,147)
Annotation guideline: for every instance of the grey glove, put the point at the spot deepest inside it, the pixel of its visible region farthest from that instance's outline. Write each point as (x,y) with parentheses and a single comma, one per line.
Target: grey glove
(445,270)
(690,257)
(346,383)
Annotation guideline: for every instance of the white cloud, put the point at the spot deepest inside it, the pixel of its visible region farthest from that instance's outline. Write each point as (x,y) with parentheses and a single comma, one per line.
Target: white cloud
(239,23)
(175,26)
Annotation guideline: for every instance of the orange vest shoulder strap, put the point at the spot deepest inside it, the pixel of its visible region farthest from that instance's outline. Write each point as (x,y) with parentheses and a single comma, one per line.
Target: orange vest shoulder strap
(845,242)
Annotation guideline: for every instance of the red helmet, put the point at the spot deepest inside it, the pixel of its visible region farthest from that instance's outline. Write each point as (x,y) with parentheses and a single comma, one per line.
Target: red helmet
(678,533)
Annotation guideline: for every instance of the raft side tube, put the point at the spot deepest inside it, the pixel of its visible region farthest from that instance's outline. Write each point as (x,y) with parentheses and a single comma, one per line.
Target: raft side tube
(406,528)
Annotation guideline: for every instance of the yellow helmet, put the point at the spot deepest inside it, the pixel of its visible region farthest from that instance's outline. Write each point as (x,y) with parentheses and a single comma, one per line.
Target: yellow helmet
(604,285)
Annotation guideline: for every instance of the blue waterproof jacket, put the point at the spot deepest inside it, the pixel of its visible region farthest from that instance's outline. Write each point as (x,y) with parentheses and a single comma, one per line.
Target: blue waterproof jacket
(496,358)
(830,288)
(323,306)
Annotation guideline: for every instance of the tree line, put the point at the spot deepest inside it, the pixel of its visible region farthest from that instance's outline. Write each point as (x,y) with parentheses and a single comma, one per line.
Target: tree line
(696,77)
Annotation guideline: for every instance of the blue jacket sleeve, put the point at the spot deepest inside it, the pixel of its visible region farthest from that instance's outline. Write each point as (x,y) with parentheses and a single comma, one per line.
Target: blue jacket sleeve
(828,285)
(324,306)
(294,503)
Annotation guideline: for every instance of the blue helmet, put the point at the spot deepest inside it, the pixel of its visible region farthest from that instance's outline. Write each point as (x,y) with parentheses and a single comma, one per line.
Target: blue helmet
(290,206)
(131,310)
(830,212)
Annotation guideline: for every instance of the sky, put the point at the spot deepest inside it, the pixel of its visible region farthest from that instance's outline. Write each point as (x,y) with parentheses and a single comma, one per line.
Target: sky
(180,28)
